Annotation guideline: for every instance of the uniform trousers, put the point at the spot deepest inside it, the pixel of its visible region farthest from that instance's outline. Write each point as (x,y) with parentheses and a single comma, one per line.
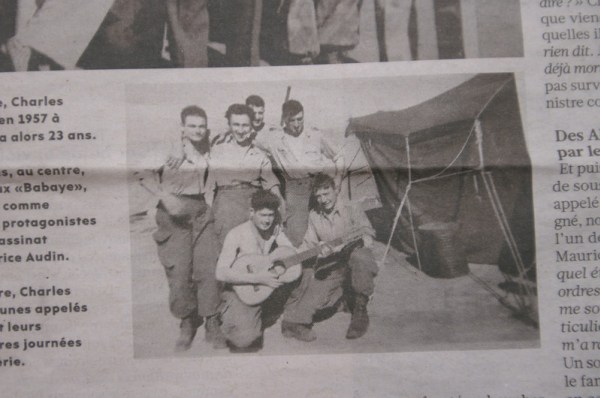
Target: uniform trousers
(241,41)
(188,250)
(242,323)
(338,22)
(231,208)
(315,294)
(297,195)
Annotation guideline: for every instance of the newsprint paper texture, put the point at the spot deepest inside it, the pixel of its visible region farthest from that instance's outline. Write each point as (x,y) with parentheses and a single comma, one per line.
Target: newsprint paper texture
(328,198)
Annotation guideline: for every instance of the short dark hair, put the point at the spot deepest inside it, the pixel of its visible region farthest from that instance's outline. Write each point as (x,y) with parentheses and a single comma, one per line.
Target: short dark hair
(239,109)
(264,200)
(322,181)
(255,100)
(192,110)
(291,108)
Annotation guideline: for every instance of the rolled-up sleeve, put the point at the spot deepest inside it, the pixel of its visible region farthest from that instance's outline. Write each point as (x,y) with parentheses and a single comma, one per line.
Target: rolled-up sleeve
(329,149)
(267,176)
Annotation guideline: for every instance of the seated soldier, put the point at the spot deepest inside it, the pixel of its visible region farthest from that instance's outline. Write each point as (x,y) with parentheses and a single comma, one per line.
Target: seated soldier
(329,221)
(241,323)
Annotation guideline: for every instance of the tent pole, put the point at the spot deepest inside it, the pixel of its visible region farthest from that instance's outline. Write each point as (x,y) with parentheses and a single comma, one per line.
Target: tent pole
(399,211)
(515,248)
(410,215)
(479,141)
(395,225)
(414,236)
(407,143)
(495,199)
(505,228)
(500,215)
(349,186)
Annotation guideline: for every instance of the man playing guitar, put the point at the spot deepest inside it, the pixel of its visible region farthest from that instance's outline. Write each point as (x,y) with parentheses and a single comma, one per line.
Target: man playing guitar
(330,220)
(261,234)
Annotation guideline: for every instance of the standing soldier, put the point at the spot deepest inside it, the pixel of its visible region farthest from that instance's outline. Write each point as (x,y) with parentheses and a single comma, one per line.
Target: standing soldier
(299,154)
(238,169)
(257,104)
(186,240)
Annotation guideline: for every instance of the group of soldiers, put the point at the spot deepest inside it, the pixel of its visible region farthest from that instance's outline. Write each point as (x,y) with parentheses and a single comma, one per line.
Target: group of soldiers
(248,191)
(111,34)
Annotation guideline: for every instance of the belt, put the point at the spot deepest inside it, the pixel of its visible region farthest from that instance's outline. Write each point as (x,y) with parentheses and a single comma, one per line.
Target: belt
(197,196)
(244,185)
(303,180)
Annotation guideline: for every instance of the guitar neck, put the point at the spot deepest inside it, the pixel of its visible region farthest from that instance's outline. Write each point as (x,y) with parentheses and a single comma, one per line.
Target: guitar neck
(305,255)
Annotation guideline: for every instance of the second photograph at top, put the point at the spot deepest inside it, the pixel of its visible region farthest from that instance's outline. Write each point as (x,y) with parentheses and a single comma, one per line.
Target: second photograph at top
(137,34)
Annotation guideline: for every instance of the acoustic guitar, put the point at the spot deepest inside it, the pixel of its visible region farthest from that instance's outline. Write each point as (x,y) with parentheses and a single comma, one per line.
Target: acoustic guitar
(284,263)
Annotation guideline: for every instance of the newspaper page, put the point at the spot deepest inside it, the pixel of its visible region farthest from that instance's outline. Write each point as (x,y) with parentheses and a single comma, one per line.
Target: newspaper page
(327,198)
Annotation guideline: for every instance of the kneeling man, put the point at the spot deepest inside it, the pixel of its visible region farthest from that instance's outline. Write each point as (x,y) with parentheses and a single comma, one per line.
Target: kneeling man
(261,234)
(331,220)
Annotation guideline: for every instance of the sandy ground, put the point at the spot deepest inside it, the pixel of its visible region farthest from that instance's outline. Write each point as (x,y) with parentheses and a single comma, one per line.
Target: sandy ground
(409,312)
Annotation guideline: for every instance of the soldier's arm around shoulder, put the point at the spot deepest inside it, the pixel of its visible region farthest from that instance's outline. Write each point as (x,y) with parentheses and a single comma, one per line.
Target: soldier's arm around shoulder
(265,138)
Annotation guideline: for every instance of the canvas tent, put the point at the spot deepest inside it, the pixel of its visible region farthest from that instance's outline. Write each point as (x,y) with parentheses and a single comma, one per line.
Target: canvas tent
(458,157)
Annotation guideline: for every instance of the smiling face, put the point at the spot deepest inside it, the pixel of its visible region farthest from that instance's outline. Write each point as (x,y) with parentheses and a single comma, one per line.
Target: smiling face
(194,128)
(241,127)
(326,198)
(259,115)
(263,218)
(295,124)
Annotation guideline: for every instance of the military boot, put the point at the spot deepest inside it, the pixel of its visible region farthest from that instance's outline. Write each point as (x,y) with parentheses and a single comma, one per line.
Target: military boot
(214,334)
(360,319)
(187,332)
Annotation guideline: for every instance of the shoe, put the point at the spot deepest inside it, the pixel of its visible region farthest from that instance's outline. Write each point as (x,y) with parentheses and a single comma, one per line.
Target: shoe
(187,332)
(359,323)
(256,346)
(298,331)
(213,333)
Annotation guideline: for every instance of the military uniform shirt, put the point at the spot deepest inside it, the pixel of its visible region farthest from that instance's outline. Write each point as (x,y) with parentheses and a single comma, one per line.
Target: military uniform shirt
(302,156)
(189,178)
(233,164)
(344,219)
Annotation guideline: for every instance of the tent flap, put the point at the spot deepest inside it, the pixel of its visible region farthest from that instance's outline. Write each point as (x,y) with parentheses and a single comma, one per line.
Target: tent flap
(440,137)
(461,103)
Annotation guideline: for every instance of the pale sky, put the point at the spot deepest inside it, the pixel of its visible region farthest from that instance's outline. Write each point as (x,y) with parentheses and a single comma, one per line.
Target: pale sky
(153,110)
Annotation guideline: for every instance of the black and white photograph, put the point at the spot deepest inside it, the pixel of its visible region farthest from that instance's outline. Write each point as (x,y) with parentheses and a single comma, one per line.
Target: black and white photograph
(41,35)
(385,214)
